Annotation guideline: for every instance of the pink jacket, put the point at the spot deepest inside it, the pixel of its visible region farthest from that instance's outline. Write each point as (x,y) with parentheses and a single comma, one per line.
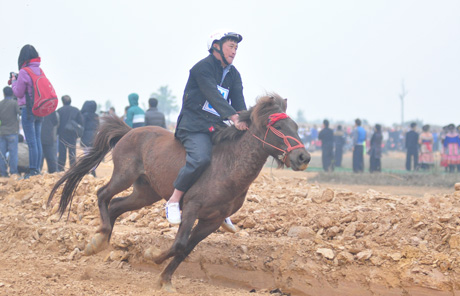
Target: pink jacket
(24,83)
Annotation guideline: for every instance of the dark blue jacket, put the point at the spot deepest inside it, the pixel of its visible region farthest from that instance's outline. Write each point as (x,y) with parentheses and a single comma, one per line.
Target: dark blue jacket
(90,122)
(201,87)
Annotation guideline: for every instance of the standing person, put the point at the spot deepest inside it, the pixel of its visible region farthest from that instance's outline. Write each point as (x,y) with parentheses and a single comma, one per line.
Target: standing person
(24,91)
(359,140)
(426,141)
(67,135)
(213,93)
(49,141)
(9,128)
(90,125)
(412,147)
(153,116)
(135,116)
(452,148)
(375,152)
(326,135)
(339,142)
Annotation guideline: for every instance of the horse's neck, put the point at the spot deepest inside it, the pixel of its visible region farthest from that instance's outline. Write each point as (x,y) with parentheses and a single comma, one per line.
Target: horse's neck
(250,155)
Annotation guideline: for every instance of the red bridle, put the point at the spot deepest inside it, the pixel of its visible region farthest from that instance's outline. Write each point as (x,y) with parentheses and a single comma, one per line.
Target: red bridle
(271,120)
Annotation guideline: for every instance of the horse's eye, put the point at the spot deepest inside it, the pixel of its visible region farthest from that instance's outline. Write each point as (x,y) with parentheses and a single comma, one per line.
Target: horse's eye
(277,126)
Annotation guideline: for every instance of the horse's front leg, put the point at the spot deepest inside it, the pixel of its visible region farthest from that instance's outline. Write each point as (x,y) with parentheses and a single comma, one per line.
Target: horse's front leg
(200,232)
(185,228)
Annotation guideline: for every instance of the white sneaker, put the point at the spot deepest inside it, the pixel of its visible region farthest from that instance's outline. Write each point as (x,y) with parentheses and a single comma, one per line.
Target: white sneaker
(173,213)
(228,225)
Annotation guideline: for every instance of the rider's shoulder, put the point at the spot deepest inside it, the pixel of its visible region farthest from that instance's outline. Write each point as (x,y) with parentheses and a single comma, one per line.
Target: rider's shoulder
(206,64)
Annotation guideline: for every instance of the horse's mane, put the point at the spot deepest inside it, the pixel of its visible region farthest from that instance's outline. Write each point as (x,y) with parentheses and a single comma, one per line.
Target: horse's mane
(257,115)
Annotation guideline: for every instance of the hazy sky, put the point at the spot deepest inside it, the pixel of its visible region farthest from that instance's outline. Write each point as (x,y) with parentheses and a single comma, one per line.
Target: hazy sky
(332,59)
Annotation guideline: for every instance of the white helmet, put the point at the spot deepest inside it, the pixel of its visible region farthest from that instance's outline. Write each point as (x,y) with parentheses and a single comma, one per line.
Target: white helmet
(219,35)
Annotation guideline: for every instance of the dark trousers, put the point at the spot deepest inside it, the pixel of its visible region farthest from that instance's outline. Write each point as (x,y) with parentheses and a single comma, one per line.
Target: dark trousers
(375,164)
(358,159)
(327,155)
(50,154)
(198,147)
(338,156)
(32,127)
(411,154)
(64,145)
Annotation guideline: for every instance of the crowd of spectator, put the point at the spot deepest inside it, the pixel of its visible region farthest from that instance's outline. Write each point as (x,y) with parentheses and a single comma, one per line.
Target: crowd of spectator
(60,132)
(375,141)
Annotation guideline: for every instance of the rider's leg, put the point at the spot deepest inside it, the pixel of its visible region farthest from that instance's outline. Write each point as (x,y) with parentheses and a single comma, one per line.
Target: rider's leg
(198,147)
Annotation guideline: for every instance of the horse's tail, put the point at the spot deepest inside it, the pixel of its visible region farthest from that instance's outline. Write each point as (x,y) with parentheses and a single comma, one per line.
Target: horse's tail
(109,133)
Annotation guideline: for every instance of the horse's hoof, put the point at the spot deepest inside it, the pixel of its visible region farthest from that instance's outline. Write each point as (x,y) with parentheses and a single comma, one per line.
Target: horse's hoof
(97,243)
(166,287)
(152,254)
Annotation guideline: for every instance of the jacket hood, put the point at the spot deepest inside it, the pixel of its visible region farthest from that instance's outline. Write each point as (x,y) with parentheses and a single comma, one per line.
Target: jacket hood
(89,107)
(32,65)
(133,99)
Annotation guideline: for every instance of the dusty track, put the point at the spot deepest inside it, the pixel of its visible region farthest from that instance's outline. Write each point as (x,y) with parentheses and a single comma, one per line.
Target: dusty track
(295,237)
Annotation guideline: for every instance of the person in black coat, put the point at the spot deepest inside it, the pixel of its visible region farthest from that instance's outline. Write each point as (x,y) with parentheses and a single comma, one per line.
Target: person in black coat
(67,136)
(153,116)
(49,141)
(375,153)
(412,147)
(90,123)
(213,93)
(326,135)
(90,126)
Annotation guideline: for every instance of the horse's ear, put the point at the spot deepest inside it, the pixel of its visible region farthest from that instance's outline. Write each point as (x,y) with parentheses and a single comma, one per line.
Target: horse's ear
(285,104)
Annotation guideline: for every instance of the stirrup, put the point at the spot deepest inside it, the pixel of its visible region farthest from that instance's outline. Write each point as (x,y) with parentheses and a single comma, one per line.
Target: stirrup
(227,225)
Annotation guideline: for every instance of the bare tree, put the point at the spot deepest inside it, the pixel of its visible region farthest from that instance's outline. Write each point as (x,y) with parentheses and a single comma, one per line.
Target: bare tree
(300,116)
(166,101)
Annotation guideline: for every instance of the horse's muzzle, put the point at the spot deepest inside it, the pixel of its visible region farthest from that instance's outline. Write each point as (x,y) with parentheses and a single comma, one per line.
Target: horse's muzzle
(299,159)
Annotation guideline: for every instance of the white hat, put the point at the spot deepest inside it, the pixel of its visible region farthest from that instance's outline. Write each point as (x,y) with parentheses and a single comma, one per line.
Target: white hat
(219,35)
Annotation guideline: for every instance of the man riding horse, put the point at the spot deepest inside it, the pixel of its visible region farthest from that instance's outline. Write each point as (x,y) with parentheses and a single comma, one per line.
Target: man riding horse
(150,158)
(214,93)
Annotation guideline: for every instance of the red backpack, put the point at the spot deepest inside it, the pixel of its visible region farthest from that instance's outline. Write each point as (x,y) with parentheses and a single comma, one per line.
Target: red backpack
(44,97)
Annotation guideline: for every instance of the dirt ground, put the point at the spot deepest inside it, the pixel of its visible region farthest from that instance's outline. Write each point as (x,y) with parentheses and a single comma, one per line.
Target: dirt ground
(296,237)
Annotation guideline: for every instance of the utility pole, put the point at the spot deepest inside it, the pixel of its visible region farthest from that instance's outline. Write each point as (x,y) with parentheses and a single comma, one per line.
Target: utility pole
(401,96)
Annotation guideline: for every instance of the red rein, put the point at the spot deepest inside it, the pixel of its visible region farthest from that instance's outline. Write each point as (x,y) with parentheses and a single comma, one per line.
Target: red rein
(272,119)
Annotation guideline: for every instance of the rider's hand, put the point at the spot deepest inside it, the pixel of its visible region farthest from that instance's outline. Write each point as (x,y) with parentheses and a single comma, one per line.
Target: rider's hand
(240,125)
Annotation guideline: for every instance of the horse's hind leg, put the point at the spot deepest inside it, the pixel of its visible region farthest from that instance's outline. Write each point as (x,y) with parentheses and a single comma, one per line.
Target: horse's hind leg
(202,230)
(143,195)
(117,183)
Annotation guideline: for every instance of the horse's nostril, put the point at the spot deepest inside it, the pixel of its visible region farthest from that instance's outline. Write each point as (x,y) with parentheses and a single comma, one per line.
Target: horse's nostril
(304,158)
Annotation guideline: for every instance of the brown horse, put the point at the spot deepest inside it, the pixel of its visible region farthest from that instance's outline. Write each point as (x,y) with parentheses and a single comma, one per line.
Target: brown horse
(149,158)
